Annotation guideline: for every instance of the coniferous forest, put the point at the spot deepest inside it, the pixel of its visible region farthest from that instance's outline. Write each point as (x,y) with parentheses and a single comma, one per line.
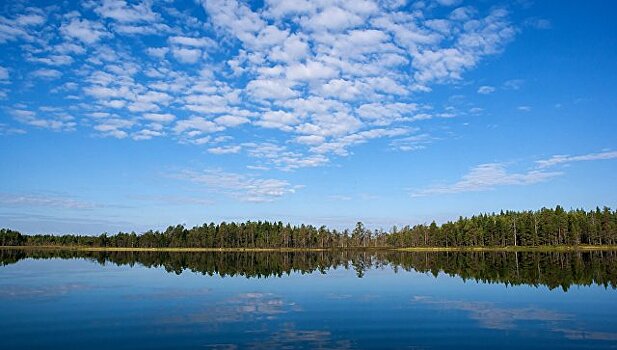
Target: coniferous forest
(545,227)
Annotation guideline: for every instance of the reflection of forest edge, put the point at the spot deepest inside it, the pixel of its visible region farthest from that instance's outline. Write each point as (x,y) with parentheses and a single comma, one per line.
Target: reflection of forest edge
(551,269)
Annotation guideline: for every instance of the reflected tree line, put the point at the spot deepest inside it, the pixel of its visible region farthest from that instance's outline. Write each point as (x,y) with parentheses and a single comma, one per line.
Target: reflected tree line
(550,269)
(545,227)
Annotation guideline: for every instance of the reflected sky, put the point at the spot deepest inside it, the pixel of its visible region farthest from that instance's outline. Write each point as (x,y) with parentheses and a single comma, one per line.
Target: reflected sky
(79,303)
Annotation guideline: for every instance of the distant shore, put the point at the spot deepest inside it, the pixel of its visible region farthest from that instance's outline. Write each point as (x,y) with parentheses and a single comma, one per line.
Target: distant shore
(276,250)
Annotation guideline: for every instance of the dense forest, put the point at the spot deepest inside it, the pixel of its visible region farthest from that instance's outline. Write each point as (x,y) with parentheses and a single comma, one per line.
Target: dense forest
(545,227)
(551,269)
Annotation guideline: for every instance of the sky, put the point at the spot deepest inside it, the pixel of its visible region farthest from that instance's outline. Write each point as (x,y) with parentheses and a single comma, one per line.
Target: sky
(131,115)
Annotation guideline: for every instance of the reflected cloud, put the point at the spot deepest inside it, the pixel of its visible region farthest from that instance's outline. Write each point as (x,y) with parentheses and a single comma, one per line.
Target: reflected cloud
(243,307)
(493,317)
(39,292)
(221,346)
(338,296)
(171,293)
(576,334)
(291,338)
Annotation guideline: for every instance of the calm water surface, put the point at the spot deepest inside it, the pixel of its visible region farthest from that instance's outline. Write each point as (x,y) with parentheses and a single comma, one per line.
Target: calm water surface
(307,300)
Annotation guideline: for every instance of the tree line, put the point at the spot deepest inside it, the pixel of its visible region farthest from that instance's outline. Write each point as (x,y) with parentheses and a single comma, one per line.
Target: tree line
(544,227)
(550,269)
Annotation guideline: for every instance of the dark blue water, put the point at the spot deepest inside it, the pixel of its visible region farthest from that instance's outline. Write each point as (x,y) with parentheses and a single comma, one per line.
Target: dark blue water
(81,303)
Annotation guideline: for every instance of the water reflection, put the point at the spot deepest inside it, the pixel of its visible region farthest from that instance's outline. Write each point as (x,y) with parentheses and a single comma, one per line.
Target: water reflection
(291,338)
(242,307)
(577,334)
(325,300)
(551,269)
(489,315)
(40,293)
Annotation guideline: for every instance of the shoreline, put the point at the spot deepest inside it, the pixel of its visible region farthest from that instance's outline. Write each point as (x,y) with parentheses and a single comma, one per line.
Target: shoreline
(577,248)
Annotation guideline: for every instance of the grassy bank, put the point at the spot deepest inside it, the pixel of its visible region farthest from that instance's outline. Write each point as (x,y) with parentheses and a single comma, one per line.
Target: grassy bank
(405,249)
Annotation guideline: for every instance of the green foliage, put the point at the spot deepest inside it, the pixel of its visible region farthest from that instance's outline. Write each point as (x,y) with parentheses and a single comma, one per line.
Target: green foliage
(545,227)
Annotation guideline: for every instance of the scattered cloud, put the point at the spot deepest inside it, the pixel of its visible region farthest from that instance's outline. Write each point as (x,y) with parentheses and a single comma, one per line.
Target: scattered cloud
(4,74)
(88,32)
(246,188)
(486,177)
(225,150)
(319,78)
(567,159)
(513,84)
(486,90)
(412,143)
(490,176)
(538,23)
(47,73)
(58,122)
(10,200)
(339,197)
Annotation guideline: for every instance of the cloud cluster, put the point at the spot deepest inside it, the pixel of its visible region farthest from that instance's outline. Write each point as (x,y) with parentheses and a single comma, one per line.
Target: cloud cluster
(321,76)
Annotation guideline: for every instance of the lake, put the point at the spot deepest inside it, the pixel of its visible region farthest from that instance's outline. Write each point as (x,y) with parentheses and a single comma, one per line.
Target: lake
(325,300)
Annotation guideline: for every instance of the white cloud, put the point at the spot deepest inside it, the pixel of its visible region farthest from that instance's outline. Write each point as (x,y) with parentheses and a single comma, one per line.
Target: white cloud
(271,89)
(53,60)
(84,30)
(193,42)
(158,52)
(160,117)
(30,19)
(225,150)
(185,55)
(524,108)
(486,90)
(566,159)
(332,18)
(122,12)
(448,2)
(113,127)
(231,121)
(47,73)
(20,27)
(278,120)
(53,123)
(199,124)
(325,75)
(310,139)
(282,158)
(242,187)
(43,200)
(385,114)
(486,177)
(513,84)
(145,134)
(4,74)
(340,145)
(412,143)
(310,71)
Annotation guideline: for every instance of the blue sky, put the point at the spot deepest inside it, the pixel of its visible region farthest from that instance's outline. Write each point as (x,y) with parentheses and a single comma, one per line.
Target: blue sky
(129,115)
